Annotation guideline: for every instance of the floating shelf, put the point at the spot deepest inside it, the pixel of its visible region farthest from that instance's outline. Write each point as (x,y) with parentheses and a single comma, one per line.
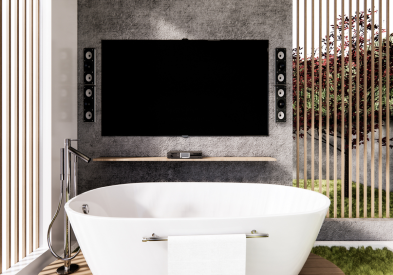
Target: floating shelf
(202,159)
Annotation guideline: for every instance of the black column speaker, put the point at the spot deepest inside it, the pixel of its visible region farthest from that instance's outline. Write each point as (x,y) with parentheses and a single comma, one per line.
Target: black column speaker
(89,78)
(281,80)
(89,103)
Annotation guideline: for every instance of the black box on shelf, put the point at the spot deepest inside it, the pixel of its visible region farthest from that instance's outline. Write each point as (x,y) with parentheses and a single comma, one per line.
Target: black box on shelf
(184,155)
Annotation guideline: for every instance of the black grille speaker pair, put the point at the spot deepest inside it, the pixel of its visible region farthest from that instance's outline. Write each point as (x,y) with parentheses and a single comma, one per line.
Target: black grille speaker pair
(89,76)
(281,80)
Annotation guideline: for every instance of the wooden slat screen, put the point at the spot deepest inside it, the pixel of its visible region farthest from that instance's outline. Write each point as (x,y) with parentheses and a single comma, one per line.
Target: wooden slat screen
(305,91)
(31,129)
(357,114)
(320,97)
(344,88)
(1,137)
(16,138)
(387,118)
(37,126)
(297,95)
(372,114)
(312,97)
(335,114)
(20,39)
(8,140)
(349,116)
(365,104)
(380,114)
(23,121)
(327,87)
(342,108)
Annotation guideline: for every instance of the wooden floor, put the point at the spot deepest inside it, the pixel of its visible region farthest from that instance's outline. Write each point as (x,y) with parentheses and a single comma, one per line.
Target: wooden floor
(315,265)
(79,260)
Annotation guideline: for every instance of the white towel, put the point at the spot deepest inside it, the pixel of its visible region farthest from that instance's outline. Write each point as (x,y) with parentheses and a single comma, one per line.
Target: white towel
(207,255)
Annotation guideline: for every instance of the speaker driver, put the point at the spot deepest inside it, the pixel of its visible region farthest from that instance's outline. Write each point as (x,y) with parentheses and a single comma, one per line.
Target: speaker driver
(89,93)
(281,115)
(89,55)
(89,77)
(88,115)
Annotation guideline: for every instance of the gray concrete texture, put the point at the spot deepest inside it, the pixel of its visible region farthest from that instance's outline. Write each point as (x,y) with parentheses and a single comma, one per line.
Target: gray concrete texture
(356,230)
(177,19)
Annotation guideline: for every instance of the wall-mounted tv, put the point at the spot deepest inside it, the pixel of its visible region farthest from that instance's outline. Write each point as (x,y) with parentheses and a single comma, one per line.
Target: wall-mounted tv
(185,87)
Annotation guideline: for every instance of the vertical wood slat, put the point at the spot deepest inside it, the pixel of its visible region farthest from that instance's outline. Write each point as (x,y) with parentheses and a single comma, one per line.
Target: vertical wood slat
(37,118)
(1,137)
(365,71)
(23,155)
(312,96)
(342,107)
(357,116)
(327,105)
(8,142)
(372,112)
(350,116)
(8,139)
(320,98)
(380,112)
(335,113)
(305,86)
(297,96)
(16,139)
(31,133)
(387,112)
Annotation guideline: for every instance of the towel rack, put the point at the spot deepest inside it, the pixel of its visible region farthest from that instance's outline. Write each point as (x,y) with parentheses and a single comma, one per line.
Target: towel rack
(155,238)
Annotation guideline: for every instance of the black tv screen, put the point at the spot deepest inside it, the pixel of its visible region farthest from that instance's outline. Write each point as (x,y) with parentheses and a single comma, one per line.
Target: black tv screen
(185,87)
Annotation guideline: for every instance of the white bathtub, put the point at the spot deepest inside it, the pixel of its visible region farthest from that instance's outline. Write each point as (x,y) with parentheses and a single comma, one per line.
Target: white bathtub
(120,216)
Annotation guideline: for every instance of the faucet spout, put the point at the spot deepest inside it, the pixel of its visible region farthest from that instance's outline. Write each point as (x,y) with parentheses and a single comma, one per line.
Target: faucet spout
(79,154)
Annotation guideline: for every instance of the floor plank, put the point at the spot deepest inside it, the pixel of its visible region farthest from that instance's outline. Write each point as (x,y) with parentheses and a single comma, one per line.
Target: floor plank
(80,260)
(315,265)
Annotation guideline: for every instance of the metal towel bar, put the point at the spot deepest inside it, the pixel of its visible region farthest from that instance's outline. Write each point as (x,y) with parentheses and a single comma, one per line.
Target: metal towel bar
(155,238)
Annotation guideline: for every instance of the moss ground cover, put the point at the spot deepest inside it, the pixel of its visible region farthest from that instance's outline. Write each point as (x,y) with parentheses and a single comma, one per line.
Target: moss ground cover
(358,261)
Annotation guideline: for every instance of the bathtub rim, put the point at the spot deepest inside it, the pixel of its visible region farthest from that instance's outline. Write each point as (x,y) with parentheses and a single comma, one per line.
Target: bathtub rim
(325,206)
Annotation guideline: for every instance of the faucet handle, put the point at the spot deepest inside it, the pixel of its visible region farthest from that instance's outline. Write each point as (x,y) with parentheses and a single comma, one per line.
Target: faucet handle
(74,139)
(61,163)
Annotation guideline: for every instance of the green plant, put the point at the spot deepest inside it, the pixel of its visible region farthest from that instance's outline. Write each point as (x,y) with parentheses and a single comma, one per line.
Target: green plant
(361,198)
(358,261)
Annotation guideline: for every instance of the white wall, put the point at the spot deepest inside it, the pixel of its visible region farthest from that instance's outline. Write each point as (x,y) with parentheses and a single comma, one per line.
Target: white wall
(59,97)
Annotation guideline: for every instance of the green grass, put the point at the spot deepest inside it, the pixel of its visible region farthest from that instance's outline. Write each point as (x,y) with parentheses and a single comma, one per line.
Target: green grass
(361,199)
(358,261)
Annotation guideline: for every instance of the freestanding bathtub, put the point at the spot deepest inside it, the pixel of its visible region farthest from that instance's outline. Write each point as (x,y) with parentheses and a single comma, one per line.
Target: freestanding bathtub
(120,216)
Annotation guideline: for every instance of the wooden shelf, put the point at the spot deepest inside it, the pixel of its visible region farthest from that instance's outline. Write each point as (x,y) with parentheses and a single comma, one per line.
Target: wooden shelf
(202,159)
